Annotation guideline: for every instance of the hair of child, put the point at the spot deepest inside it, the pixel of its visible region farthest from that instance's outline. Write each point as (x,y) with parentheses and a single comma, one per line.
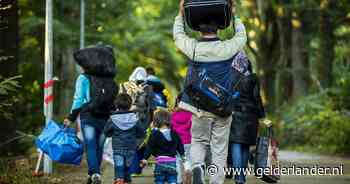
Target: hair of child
(123,102)
(161,118)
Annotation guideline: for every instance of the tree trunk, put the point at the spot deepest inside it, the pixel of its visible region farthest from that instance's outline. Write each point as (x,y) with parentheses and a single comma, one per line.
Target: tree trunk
(284,84)
(300,64)
(64,90)
(268,55)
(324,64)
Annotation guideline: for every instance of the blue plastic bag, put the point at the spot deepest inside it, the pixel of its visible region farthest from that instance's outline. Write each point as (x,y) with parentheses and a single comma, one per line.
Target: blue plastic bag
(60,144)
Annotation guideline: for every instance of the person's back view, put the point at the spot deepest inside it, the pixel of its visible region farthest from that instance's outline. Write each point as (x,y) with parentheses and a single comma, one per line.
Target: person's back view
(94,94)
(124,128)
(140,93)
(215,56)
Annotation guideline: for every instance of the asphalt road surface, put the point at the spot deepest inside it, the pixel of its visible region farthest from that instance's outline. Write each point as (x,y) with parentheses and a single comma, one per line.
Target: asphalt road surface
(288,159)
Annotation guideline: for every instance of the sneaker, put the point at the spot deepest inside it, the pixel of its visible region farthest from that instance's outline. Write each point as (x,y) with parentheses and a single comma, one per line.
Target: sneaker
(118,181)
(198,175)
(188,177)
(96,179)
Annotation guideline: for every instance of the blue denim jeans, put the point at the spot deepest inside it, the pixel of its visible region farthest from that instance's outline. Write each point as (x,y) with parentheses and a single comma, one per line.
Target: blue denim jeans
(135,165)
(94,139)
(122,161)
(240,156)
(165,172)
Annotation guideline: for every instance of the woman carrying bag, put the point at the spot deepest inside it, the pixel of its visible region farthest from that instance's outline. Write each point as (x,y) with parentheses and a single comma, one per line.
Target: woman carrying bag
(94,95)
(247,112)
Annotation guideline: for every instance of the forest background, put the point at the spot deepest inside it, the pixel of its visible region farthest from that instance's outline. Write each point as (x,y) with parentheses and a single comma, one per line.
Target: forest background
(300,50)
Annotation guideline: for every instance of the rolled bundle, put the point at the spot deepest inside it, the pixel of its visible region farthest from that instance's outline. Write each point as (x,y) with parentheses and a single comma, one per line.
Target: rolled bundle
(218,12)
(97,61)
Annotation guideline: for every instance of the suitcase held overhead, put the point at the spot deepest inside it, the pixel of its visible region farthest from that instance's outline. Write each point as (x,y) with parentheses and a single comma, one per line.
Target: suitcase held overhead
(199,12)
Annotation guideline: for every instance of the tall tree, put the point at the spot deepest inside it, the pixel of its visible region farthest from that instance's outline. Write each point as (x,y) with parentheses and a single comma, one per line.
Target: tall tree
(300,60)
(324,65)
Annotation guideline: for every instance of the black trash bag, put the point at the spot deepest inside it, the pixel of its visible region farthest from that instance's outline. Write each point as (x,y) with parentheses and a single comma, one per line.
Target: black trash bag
(97,61)
(218,12)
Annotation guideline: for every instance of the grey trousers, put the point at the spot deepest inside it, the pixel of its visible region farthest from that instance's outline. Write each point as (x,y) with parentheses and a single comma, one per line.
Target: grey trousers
(213,132)
(180,165)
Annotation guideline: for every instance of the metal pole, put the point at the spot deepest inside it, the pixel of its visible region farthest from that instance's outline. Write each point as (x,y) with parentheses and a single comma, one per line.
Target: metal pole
(48,107)
(82,30)
(82,24)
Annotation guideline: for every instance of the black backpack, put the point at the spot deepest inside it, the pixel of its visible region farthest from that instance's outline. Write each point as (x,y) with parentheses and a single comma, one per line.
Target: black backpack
(103,91)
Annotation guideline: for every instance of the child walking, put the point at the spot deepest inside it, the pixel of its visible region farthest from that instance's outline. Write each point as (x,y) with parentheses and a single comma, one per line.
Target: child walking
(181,122)
(124,128)
(164,144)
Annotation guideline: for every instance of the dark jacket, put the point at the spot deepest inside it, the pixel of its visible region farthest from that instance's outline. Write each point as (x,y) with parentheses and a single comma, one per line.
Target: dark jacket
(247,112)
(161,145)
(125,129)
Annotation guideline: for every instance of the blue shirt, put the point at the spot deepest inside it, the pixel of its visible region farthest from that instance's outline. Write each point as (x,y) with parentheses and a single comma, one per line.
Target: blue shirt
(82,92)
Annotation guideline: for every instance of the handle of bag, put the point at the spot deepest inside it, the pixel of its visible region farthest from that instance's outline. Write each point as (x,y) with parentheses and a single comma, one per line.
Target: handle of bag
(184,22)
(270,132)
(65,130)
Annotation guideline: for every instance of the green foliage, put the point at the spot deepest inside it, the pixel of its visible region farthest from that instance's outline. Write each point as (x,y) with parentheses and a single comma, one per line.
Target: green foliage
(8,87)
(321,121)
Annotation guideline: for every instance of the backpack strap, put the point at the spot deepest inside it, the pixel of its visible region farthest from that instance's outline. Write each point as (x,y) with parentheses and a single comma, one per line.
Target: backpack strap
(194,52)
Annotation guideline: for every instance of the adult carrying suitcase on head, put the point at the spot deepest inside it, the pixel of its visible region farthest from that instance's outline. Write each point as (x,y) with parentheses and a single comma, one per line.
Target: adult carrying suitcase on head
(216,12)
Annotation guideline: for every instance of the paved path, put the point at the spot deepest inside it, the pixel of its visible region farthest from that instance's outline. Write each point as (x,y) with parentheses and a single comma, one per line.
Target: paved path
(287,159)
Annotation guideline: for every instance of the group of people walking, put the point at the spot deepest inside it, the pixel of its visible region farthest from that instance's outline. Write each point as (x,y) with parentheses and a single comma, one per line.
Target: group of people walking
(136,116)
